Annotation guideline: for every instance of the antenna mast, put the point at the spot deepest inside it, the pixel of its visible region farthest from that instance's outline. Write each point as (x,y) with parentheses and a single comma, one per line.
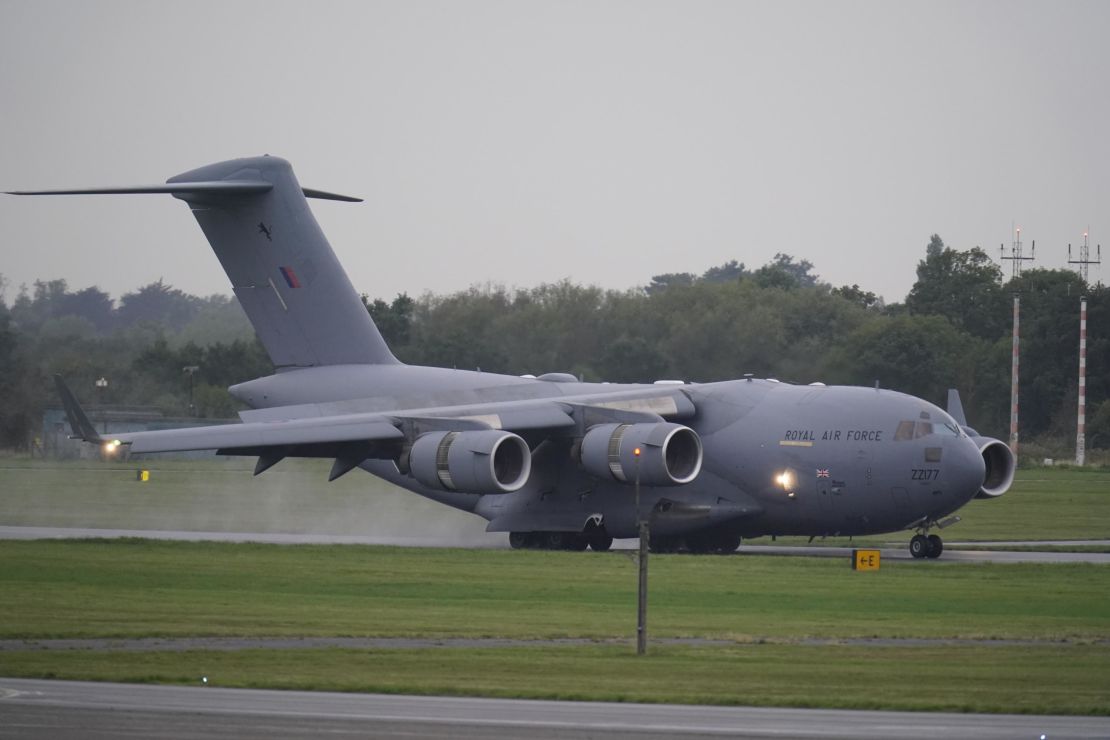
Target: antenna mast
(1016,257)
(1085,255)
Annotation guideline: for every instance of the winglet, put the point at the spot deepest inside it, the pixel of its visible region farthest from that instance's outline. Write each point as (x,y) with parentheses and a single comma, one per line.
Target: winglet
(78,422)
(956,407)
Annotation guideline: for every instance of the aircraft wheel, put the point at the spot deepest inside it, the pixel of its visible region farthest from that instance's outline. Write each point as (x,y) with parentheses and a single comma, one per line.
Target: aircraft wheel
(919,546)
(727,543)
(518,540)
(701,544)
(600,542)
(554,541)
(936,546)
(661,544)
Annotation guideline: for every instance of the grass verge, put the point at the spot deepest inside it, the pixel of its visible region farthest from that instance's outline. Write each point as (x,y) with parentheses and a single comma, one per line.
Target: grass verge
(1037,679)
(143,588)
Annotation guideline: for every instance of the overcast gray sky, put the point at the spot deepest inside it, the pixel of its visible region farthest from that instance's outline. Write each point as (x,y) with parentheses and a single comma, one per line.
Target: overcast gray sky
(524,142)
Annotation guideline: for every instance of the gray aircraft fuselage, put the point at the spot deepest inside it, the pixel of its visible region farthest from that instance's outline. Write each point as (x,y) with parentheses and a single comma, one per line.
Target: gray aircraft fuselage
(779,459)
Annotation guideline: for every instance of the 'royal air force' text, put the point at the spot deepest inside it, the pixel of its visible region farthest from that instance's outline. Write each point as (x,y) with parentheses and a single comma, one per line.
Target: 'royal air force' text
(834,435)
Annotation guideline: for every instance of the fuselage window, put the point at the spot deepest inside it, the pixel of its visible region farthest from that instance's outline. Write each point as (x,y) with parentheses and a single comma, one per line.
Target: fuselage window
(922,429)
(932,454)
(904,432)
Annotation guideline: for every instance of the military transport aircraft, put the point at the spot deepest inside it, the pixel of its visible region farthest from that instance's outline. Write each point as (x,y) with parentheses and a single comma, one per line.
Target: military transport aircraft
(551,460)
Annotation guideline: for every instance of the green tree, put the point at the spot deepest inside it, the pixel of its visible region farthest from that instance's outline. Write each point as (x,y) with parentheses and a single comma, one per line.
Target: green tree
(964,287)
(730,271)
(854,294)
(1050,350)
(158,303)
(669,280)
(394,320)
(920,355)
(784,272)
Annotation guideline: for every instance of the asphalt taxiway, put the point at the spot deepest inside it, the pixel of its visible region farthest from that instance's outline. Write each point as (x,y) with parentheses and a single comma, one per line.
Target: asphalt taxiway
(71,709)
(951,554)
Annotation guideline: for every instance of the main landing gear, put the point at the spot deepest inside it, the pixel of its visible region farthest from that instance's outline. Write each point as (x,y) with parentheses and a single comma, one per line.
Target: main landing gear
(596,540)
(922,546)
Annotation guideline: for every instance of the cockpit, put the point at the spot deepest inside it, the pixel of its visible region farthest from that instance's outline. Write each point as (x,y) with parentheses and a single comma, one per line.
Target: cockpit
(924,427)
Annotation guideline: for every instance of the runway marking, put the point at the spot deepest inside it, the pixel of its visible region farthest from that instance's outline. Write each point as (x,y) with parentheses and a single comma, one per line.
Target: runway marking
(13,693)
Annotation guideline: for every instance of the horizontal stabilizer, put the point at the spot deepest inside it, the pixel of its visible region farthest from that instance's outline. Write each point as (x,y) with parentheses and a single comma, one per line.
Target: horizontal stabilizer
(218,187)
(324,195)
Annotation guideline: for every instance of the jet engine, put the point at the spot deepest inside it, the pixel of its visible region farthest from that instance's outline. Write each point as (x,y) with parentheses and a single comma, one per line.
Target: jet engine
(669,454)
(488,461)
(1000,467)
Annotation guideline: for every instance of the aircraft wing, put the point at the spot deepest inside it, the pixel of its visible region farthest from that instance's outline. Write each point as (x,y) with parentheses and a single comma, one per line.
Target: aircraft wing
(381,434)
(257,435)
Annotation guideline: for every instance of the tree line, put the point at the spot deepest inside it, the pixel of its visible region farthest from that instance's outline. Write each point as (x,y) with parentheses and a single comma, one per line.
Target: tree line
(778,320)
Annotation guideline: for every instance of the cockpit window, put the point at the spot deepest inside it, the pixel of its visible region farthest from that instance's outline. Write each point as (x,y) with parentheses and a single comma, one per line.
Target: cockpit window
(908,430)
(904,432)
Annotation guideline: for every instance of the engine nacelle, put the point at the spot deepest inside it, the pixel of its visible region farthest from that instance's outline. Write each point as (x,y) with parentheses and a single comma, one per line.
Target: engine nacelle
(487,461)
(1000,467)
(670,454)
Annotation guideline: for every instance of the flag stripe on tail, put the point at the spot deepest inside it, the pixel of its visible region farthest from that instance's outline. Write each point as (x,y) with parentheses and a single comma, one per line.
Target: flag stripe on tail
(290,277)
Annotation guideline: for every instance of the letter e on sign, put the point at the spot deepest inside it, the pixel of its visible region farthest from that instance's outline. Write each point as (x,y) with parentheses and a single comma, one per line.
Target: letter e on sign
(865,559)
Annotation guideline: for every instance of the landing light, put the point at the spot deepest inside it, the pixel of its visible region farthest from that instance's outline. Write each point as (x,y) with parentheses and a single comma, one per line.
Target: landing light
(785,480)
(111,447)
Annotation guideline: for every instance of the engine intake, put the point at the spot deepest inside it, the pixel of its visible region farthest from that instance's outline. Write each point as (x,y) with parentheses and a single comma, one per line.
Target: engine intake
(670,454)
(492,461)
(1000,467)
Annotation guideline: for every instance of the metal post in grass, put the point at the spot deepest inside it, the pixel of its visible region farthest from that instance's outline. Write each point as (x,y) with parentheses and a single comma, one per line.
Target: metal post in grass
(641,604)
(101,387)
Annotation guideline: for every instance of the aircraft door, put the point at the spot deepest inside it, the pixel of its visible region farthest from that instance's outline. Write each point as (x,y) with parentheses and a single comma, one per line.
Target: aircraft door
(824,491)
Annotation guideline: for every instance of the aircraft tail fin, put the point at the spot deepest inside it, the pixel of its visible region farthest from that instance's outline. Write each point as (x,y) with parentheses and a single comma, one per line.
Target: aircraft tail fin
(78,422)
(956,407)
(282,269)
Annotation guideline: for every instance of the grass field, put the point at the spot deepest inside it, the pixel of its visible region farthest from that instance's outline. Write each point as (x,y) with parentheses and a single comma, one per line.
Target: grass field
(979,678)
(222,495)
(143,588)
(923,635)
(1000,637)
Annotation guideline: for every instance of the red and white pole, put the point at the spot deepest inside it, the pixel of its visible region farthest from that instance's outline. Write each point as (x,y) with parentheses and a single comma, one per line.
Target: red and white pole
(1014,386)
(1081,424)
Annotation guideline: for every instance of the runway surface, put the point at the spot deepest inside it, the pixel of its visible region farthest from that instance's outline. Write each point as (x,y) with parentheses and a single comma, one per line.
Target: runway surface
(502,541)
(71,709)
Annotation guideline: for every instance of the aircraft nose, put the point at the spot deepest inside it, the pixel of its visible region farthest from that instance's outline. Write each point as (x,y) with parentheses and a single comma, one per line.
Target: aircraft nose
(969,469)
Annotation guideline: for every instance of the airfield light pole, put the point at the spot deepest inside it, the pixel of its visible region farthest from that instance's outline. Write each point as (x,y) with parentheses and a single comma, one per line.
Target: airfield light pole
(101,386)
(641,602)
(1081,420)
(1014,381)
(1084,262)
(191,370)
(1016,259)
